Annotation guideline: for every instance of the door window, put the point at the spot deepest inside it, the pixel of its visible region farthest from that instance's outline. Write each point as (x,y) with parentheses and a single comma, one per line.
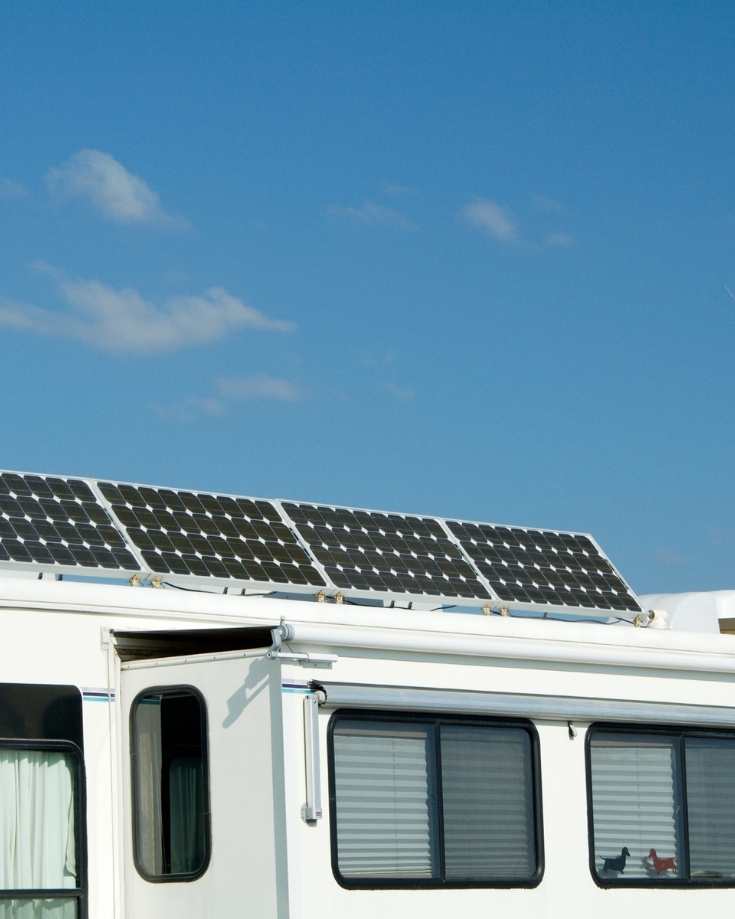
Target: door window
(171,831)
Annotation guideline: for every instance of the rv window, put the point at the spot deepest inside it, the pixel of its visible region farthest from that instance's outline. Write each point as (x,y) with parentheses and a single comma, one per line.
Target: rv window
(39,836)
(710,771)
(662,807)
(170,785)
(433,802)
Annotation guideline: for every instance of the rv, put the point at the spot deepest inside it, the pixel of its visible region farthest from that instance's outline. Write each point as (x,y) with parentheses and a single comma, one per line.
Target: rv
(304,736)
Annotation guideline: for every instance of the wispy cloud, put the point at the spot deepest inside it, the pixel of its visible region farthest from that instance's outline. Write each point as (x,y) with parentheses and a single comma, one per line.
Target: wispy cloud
(378,360)
(228,392)
(110,188)
(491,218)
(11,190)
(501,224)
(670,557)
(400,393)
(395,189)
(260,386)
(121,319)
(189,410)
(559,240)
(371,213)
(547,205)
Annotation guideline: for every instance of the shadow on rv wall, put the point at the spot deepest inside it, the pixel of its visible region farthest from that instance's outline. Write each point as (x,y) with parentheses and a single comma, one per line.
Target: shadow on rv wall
(265,676)
(259,674)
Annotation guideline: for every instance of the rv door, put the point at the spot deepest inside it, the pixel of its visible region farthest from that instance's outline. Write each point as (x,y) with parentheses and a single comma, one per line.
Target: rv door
(202,782)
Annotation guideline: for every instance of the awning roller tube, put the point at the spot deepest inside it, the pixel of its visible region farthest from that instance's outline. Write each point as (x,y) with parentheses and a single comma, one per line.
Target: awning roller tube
(521,705)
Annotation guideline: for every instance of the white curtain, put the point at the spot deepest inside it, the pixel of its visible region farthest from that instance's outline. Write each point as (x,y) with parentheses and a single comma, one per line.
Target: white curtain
(148,767)
(37,832)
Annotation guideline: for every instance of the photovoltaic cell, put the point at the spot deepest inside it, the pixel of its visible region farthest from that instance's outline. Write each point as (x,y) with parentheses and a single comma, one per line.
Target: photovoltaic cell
(48,520)
(210,536)
(543,567)
(386,553)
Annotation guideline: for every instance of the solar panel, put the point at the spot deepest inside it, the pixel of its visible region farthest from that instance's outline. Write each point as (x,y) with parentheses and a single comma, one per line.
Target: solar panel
(210,536)
(59,523)
(369,551)
(72,525)
(544,567)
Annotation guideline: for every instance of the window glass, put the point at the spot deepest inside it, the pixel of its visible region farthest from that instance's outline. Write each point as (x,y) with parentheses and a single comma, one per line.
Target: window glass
(433,802)
(171,829)
(38,838)
(635,803)
(38,909)
(37,820)
(383,786)
(710,769)
(488,823)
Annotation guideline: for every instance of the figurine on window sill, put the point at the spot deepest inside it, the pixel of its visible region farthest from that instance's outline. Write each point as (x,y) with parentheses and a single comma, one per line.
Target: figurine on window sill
(616,863)
(661,865)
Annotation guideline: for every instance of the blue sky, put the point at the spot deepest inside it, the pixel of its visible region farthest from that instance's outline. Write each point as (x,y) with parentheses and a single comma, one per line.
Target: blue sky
(466,259)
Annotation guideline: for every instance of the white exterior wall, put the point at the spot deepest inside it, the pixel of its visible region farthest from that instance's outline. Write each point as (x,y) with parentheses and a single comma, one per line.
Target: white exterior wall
(567,887)
(52,633)
(47,642)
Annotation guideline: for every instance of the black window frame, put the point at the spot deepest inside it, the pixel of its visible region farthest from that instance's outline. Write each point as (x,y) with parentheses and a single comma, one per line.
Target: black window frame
(187,877)
(80,892)
(381,883)
(679,734)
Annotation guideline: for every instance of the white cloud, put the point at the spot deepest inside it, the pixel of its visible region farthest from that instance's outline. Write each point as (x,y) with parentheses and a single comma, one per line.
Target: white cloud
(491,218)
(559,240)
(121,319)
(260,386)
(371,213)
(11,190)
(191,409)
(228,391)
(114,191)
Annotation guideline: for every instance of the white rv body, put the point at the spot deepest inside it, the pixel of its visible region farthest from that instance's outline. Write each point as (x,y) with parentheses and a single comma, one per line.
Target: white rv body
(271,858)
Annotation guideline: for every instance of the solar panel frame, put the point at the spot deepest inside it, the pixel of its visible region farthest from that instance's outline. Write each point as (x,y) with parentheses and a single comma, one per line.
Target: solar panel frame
(209,581)
(494,600)
(551,607)
(58,531)
(280,506)
(416,599)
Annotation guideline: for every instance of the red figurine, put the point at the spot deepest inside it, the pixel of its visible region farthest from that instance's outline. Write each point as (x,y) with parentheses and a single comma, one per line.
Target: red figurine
(661,864)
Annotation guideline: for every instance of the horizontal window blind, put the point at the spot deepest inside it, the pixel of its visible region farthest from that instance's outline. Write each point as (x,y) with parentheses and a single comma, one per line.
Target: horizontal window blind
(487,790)
(634,804)
(710,769)
(383,789)
(433,801)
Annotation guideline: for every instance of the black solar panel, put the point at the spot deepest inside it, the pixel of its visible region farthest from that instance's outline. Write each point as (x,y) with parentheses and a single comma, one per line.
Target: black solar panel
(385,553)
(210,536)
(544,567)
(65,524)
(58,522)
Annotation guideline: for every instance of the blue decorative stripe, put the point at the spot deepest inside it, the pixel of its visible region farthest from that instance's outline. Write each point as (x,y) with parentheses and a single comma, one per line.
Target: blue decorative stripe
(98,695)
(299,688)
